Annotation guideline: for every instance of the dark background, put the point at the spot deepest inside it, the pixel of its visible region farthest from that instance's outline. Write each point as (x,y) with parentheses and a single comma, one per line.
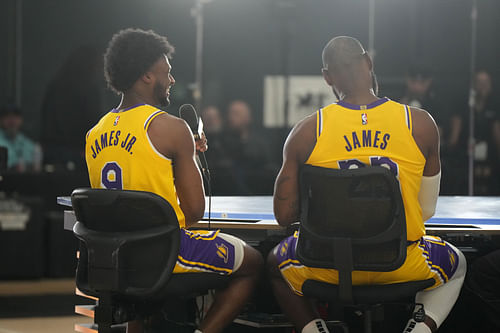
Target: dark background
(243,42)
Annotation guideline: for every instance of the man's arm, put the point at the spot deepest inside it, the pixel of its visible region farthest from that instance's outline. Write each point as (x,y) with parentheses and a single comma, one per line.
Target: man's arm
(172,137)
(426,136)
(298,147)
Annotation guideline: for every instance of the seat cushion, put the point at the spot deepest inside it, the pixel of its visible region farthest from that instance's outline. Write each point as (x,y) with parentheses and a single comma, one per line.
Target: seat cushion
(367,294)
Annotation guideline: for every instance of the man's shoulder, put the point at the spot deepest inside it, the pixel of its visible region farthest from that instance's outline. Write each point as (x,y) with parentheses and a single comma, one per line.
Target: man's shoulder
(164,120)
(169,134)
(422,119)
(306,125)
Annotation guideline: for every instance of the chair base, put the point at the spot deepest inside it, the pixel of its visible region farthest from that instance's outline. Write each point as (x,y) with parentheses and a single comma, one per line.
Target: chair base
(366,298)
(367,294)
(114,309)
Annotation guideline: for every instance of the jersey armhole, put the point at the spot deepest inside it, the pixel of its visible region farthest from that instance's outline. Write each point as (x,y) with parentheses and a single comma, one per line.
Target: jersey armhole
(88,133)
(319,122)
(150,119)
(146,127)
(408,118)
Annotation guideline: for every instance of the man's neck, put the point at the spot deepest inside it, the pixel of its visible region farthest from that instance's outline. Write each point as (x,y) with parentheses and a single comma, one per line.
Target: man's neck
(360,98)
(130,99)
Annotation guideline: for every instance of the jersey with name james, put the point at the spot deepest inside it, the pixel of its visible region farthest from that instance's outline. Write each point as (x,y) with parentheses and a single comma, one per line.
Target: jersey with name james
(120,155)
(377,134)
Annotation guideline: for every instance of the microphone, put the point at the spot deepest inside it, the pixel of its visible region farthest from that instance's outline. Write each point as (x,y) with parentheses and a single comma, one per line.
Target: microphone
(188,113)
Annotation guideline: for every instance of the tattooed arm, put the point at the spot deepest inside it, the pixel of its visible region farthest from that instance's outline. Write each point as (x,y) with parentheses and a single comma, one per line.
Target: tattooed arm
(298,147)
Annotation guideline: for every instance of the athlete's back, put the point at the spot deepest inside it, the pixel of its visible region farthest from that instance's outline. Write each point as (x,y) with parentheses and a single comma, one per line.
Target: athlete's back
(120,155)
(378,134)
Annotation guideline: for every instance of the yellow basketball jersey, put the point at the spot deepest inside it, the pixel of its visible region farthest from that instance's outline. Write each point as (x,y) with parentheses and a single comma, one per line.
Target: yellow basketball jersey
(377,134)
(120,155)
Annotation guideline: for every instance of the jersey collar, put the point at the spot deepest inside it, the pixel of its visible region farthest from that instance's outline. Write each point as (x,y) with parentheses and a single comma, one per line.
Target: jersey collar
(130,108)
(363,107)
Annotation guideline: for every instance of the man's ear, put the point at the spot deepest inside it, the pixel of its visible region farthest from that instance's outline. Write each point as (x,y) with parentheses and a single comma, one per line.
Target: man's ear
(368,61)
(327,78)
(147,77)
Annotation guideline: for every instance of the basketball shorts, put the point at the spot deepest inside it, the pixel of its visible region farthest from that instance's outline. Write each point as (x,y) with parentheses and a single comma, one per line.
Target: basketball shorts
(429,257)
(208,251)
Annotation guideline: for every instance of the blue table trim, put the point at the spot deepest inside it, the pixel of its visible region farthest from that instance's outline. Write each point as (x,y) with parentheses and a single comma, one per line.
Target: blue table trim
(437,220)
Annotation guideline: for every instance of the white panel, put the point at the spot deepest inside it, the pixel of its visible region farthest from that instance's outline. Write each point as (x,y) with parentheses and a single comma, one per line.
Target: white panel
(308,93)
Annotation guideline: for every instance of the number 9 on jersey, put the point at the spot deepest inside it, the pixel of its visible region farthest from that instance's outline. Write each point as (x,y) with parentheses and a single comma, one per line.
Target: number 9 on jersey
(111,176)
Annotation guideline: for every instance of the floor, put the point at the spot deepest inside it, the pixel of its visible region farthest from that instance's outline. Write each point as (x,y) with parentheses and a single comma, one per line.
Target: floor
(48,288)
(37,287)
(41,325)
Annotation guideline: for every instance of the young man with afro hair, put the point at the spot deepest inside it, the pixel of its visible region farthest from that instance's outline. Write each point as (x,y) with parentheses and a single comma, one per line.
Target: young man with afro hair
(149,150)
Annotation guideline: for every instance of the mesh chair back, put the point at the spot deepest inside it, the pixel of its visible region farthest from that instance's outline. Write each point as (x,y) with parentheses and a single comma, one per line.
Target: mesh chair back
(353,212)
(129,241)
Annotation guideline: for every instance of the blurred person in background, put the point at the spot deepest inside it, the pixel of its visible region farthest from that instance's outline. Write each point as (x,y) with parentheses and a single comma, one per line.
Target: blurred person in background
(252,166)
(213,126)
(23,154)
(212,120)
(487,136)
(71,105)
(218,159)
(420,93)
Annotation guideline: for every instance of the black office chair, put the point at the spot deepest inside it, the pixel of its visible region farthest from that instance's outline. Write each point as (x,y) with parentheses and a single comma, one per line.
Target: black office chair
(128,249)
(354,219)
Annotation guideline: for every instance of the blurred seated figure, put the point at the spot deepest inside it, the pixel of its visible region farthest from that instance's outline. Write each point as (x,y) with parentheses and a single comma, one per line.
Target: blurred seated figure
(487,136)
(252,167)
(486,150)
(420,93)
(218,159)
(213,126)
(23,154)
(212,120)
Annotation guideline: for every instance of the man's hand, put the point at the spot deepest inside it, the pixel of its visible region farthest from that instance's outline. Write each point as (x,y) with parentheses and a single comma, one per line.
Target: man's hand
(202,144)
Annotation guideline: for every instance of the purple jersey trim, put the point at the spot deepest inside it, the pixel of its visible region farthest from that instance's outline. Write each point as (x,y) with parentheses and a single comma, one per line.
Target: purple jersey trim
(130,108)
(320,125)
(407,116)
(363,107)
(151,117)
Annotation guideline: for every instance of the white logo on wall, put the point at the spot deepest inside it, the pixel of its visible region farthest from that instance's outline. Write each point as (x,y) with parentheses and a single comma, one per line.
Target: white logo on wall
(308,93)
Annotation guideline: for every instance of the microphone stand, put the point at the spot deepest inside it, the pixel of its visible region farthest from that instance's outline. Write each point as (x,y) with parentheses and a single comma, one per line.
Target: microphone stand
(286,12)
(472,98)
(197,13)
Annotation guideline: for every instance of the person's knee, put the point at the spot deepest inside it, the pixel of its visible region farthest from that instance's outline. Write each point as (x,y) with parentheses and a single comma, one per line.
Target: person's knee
(272,264)
(252,261)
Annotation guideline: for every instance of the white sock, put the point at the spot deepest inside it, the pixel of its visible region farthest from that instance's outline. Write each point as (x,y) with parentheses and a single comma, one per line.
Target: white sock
(197,331)
(415,327)
(316,326)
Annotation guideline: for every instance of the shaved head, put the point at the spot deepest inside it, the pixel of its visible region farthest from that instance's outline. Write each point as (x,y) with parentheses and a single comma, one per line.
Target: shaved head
(347,66)
(342,52)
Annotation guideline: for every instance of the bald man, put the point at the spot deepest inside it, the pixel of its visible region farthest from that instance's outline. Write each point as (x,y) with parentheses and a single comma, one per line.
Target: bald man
(360,130)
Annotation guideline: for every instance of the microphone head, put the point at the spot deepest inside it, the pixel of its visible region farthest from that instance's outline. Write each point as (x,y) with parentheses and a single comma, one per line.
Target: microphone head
(188,113)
